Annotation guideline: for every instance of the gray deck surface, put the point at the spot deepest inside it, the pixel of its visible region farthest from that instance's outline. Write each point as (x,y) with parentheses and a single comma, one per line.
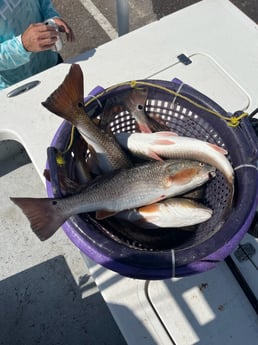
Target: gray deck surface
(46,293)
(90,34)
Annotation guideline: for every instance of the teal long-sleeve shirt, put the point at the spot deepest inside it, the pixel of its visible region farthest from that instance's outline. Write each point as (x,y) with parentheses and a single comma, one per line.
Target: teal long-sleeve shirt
(16,63)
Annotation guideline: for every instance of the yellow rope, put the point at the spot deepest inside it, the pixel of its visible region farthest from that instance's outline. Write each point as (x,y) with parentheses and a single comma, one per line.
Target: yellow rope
(60,155)
(59,158)
(235,120)
(232,121)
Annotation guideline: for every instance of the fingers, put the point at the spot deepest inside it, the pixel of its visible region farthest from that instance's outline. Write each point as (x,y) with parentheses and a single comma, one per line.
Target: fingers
(39,37)
(64,27)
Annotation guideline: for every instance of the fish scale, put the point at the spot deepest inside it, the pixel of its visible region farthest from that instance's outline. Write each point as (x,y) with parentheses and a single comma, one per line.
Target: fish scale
(115,192)
(126,188)
(67,102)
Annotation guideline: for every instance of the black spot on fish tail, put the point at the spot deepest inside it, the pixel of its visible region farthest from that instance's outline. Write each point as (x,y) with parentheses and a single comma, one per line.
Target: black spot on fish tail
(43,214)
(68,96)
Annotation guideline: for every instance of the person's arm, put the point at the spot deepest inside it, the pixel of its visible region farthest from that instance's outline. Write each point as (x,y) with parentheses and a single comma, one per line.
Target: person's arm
(13,54)
(48,10)
(16,51)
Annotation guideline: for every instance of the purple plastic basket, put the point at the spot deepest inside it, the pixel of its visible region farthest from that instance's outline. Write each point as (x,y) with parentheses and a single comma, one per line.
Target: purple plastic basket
(209,243)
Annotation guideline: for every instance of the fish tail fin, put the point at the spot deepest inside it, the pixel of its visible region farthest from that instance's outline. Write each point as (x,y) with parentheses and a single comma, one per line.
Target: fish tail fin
(68,96)
(42,214)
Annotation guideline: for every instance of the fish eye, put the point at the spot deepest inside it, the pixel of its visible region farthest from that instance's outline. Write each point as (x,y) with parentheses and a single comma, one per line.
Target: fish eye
(80,105)
(140,106)
(54,202)
(201,164)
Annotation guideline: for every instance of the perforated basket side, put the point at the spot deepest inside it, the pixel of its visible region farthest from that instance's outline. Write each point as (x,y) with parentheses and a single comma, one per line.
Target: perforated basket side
(210,242)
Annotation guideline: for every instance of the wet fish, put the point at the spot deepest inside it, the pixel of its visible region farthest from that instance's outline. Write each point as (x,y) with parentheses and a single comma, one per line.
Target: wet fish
(79,152)
(168,145)
(67,102)
(135,102)
(169,213)
(115,192)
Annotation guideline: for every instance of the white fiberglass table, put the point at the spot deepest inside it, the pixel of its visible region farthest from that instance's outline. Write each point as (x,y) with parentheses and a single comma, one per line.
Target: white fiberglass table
(222,43)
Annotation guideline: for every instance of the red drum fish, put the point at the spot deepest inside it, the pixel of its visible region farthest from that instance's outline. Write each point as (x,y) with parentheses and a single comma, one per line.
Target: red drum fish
(117,191)
(169,213)
(135,102)
(161,145)
(67,102)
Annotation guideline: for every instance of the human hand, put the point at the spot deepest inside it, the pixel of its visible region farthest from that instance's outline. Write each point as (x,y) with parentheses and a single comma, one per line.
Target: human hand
(38,37)
(64,27)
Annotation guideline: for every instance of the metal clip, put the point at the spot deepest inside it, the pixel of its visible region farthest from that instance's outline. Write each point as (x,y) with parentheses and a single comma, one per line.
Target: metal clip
(184,59)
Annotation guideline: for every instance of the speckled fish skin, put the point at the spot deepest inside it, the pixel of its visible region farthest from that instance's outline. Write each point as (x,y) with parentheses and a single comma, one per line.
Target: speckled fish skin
(117,191)
(170,213)
(67,102)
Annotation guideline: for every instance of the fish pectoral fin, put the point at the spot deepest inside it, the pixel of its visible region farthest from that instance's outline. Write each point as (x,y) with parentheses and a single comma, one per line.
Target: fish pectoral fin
(164,138)
(153,155)
(218,148)
(163,142)
(103,214)
(144,128)
(68,185)
(165,134)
